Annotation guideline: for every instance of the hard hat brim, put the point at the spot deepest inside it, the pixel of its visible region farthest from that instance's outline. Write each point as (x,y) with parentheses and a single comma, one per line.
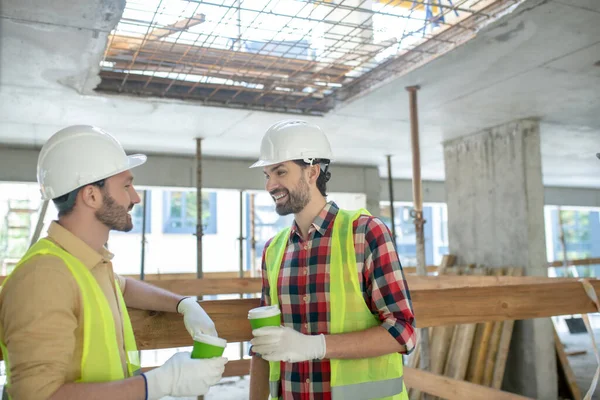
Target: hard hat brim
(134,160)
(263,163)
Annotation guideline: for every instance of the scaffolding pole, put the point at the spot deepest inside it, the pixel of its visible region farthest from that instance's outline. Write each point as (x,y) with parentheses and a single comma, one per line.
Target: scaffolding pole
(40,223)
(252,235)
(199,227)
(241,238)
(417,212)
(391,195)
(143,251)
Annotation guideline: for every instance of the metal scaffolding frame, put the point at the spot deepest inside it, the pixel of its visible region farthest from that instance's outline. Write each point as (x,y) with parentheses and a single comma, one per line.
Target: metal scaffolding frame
(299,56)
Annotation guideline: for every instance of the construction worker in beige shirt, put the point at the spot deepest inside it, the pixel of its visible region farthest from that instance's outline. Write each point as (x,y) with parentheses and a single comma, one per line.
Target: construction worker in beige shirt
(64,328)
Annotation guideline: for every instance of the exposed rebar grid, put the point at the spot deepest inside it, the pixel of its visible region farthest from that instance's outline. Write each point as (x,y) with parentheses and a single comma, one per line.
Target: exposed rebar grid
(297,56)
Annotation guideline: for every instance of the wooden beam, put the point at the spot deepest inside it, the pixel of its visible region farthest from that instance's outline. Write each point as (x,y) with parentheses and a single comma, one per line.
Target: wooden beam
(434,384)
(181,25)
(452,389)
(179,281)
(436,307)
(582,262)
(158,330)
(461,281)
(432,308)
(200,287)
(496,303)
(192,275)
(437,385)
(408,270)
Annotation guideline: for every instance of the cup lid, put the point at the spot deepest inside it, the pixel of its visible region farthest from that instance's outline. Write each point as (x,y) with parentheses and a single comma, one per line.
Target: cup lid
(263,312)
(208,339)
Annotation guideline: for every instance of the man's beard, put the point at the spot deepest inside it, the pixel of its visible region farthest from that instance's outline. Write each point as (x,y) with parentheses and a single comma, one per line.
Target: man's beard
(296,200)
(114,216)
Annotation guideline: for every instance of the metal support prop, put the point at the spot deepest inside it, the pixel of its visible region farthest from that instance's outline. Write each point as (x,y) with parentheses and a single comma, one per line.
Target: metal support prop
(391,195)
(252,234)
(143,252)
(40,223)
(417,212)
(199,227)
(241,238)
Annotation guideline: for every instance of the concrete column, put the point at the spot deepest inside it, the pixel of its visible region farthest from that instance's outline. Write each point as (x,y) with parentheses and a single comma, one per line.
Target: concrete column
(495,199)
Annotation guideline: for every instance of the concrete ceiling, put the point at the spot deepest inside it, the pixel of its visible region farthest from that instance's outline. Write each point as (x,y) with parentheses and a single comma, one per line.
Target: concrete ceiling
(537,62)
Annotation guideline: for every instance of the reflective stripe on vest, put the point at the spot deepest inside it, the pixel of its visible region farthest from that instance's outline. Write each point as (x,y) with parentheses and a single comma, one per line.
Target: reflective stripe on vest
(101,360)
(367,378)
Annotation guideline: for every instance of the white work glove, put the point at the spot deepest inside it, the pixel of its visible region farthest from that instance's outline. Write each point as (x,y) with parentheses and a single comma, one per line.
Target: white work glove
(196,320)
(280,343)
(183,376)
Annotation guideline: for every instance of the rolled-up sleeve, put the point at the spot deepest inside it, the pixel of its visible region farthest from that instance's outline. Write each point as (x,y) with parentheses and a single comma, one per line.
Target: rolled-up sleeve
(386,285)
(39,321)
(122,281)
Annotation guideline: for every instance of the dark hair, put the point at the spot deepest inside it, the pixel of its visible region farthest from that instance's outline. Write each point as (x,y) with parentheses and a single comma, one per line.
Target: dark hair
(324,175)
(66,203)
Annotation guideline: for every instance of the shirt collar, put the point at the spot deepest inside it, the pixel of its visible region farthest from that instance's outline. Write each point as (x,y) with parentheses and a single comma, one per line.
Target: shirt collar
(77,247)
(321,223)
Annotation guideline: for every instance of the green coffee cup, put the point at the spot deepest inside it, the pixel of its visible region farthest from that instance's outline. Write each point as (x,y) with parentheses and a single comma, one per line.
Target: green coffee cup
(264,316)
(206,346)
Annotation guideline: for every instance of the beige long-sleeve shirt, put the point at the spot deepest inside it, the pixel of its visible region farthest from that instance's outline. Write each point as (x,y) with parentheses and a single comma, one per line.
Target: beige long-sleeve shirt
(41,317)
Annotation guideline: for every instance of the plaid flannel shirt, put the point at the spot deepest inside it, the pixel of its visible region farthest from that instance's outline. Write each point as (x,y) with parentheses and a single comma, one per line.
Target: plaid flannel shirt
(304,293)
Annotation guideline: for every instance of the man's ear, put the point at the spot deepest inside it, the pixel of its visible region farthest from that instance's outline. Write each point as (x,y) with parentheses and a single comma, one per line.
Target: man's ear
(91,196)
(313,174)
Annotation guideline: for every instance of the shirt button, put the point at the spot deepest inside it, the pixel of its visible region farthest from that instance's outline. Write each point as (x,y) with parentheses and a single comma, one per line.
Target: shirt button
(305,247)
(307,380)
(306,326)
(305,299)
(305,271)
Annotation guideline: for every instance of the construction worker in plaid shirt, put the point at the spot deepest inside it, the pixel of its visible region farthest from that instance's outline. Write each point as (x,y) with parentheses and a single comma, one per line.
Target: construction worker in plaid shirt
(346,313)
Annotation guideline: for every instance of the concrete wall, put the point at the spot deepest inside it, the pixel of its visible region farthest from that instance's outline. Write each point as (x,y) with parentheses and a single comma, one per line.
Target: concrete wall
(496,218)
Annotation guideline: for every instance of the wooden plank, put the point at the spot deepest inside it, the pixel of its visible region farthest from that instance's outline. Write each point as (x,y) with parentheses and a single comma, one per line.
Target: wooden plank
(481,347)
(432,308)
(492,354)
(566,367)
(198,287)
(452,389)
(496,303)
(415,282)
(461,346)
(575,353)
(461,281)
(158,330)
(232,368)
(581,262)
(192,275)
(504,343)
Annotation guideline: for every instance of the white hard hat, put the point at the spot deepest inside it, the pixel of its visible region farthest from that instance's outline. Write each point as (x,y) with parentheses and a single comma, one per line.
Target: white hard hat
(79,155)
(293,140)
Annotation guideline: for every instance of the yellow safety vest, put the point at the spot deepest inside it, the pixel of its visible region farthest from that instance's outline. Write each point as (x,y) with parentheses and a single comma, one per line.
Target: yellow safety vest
(360,379)
(101,360)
